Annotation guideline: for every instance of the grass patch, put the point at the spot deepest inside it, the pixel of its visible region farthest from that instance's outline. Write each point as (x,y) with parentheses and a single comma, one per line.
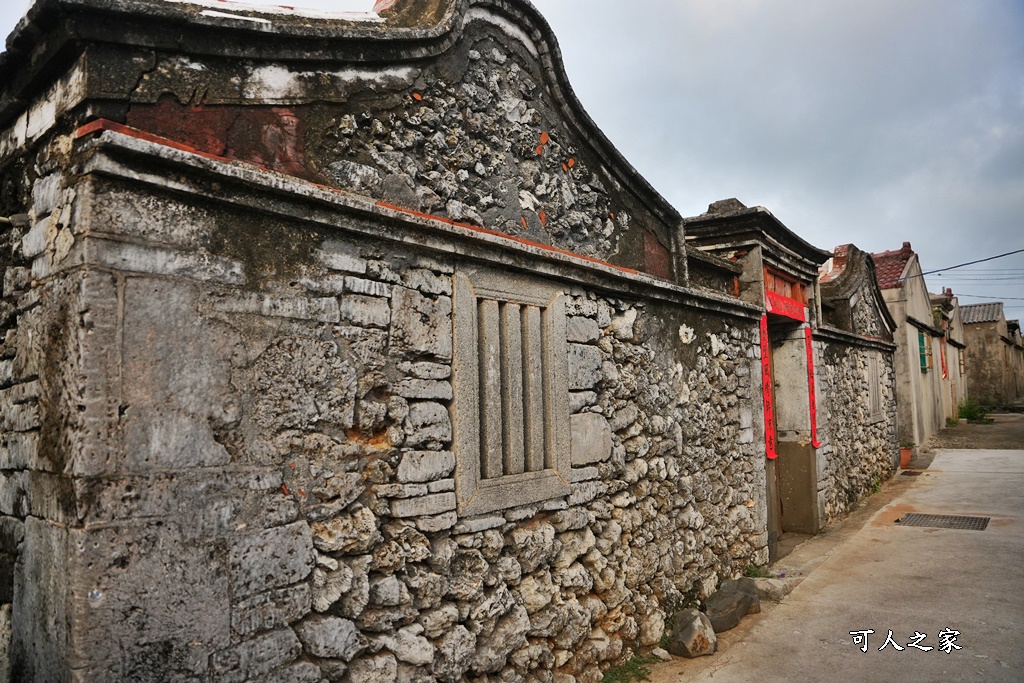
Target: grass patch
(952,422)
(633,670)
(670,623)
(755,572)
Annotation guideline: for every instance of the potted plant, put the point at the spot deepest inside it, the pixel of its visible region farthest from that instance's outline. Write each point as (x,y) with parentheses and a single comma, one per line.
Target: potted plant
(906,453)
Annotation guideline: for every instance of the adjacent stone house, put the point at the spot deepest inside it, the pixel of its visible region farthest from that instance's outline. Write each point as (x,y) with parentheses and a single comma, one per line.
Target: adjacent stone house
(922,380)
(995,359)
(348,347)
(828,378)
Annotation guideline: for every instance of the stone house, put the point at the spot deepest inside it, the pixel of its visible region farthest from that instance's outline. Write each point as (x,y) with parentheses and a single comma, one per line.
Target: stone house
(995,356)
(347,347)
(827,364)
(923,384)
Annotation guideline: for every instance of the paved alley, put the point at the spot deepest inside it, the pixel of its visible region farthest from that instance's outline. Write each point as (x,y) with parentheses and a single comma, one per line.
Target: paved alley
(873,574)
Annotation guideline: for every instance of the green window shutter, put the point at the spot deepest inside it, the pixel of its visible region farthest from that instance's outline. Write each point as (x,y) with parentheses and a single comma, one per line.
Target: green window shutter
(923,353)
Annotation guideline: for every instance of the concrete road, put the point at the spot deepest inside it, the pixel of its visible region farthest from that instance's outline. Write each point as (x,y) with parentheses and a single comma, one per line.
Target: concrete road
(871,573)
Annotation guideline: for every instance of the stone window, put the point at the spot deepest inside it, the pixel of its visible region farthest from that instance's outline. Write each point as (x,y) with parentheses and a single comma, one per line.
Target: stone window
(874,387)
(511,404)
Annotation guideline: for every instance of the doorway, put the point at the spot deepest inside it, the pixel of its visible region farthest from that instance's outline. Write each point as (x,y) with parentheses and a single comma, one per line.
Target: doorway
(792,477)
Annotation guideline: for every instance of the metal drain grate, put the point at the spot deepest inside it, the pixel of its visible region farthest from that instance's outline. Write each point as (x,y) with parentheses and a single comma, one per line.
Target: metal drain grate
(911,473)
(944,521)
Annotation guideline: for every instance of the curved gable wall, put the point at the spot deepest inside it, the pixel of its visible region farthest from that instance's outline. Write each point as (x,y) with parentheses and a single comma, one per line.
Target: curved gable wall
(457,109)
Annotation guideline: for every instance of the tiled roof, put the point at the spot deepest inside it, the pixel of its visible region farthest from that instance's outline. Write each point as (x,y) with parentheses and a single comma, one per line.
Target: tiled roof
(889,266)
(981,313)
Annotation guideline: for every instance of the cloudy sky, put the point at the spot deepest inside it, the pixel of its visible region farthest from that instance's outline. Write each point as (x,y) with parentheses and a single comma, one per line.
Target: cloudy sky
(864,121)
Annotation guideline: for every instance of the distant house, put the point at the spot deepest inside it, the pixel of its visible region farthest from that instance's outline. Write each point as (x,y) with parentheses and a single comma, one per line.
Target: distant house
(829,383)
(995,361)
(920,353)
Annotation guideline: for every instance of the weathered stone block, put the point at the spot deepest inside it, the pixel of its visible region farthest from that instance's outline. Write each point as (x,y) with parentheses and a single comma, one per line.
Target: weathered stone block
(534,546)
(271,609)
(426,370)
(426,281)
(773,590)
(421,326)
(424,389)
(365,311)
(727,606)
(425,505)
(421,466)
(587,491)
(20,450)
(355,532)
(271,558)
(113,574)
(332,256)
(357,285)
(591,438)
(454,654)
(584,366)
(299,672)
(472,525)
(571,518)
(578,400)
(441,485)
(256,656)
(409,646)
(330,637)
(580,474)
(692,635)
(322,309)
(428,424)
(579,329)
(382,668)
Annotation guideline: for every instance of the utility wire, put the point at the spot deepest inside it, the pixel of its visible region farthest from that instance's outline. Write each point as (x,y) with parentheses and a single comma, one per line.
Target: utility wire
(959,265)
(989,296)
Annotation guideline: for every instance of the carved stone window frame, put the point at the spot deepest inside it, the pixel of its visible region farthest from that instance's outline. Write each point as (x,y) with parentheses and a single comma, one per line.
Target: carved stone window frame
(528,406)
(875,398)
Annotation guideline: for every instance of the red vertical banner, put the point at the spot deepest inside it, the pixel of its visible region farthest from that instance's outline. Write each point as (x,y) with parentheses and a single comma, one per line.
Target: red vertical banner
(811,396)
(766,388)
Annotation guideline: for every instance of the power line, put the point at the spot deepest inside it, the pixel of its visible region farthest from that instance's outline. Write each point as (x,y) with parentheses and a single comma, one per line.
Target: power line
(959,265)
(995,297)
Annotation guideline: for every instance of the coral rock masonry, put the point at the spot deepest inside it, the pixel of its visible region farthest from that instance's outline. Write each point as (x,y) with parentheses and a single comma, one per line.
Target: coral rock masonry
(235,439)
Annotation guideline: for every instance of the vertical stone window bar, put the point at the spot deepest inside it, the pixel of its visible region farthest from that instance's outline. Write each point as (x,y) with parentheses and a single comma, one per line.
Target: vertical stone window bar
(510,408)
(874,387)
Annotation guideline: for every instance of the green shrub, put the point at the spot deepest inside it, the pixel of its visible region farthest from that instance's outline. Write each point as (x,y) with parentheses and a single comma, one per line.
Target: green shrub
(970,409)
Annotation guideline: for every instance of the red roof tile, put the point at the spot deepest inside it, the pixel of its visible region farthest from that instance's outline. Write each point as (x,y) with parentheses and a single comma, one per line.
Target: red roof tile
(832,269)
(889,266)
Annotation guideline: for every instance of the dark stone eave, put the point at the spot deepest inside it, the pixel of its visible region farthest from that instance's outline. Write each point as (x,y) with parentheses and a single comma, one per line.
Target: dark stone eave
(925,327)
(250,189)
(53,31)
(782,248)
(835,334)
(710,260)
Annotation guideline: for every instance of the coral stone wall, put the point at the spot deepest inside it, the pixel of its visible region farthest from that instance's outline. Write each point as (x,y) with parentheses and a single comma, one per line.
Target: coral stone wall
(258,481)
(861,447)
